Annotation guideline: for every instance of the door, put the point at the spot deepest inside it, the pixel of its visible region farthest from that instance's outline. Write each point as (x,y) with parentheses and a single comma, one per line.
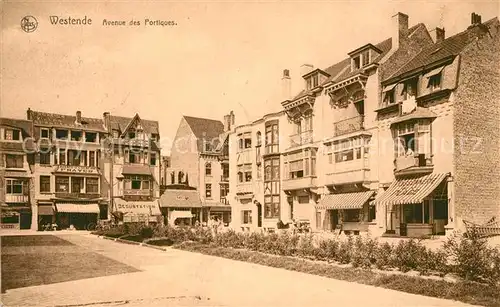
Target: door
(25,220)
(259,215)
(334,217)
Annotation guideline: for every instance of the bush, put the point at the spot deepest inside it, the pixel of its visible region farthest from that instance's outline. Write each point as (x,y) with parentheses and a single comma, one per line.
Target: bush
(408,255)
(306,248)
(472,258)
(253,241)
(146,232)
(229,238)
(328,249)
(363,254)
(161,242)
(346,247)
(384,256)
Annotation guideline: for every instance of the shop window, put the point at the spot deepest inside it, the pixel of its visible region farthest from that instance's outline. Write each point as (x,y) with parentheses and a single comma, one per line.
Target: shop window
(61,134)
(90,137)
(208,190)
(62,184)
(14,161)
(45,184)
(92,185)
(76,136)
(14,186)
(12,135)
(247,216)
(208,169)
(352,215)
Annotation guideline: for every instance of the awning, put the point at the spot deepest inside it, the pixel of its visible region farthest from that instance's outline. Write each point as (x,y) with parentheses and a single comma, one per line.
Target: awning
(45,210)
(389,87)
(180,214)
(77,208)
(354,200)
(410,190)
(218,207)
(130,169)
(137,207)
(180,199)
(419,113)
(434,72)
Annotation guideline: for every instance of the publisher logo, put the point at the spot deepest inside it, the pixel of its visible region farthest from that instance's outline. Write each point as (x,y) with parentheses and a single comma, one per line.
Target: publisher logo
(29,24)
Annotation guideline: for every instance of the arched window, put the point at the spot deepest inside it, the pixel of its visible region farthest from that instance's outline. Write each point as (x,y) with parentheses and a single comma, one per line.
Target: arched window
(259,138)
(181,177)
(208,169)
(240,176)
(172,178)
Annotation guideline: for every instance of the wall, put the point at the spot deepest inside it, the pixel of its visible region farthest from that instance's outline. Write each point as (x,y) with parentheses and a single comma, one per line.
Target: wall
(213,179)
(477,133)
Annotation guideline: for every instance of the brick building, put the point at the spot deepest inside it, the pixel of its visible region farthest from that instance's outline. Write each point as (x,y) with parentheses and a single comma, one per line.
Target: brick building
(199,159)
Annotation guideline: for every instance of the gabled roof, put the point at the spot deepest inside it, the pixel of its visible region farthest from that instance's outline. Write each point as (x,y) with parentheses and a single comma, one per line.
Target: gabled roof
(66,121)
(26,128)
(204,127)
(121,124)
(136,117)
(450,47)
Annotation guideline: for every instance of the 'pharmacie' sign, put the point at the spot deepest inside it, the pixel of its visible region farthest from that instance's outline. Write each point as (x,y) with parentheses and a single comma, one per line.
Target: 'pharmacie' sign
(134,206)
(76,169)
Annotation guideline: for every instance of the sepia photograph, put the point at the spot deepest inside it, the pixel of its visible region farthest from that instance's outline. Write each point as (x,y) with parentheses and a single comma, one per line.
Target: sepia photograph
(250,153)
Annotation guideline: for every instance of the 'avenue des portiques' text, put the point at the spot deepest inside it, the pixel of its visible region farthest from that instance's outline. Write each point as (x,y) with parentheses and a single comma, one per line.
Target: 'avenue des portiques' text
(70,21)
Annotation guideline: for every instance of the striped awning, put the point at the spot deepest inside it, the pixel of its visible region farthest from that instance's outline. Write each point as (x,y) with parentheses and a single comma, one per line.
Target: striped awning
(354,200)
(77,208)
(410,190)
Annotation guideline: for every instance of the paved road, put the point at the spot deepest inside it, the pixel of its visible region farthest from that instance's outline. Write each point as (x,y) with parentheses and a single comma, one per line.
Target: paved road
(178,278)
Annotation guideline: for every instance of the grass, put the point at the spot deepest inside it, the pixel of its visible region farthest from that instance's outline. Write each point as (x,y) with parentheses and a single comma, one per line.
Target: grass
(45,259)
(467,292)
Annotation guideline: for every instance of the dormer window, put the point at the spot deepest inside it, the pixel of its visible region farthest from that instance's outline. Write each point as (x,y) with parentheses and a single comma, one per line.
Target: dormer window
(410,88)
(312,81)
(389,97)
(365,57)
(356,62)
(434,82)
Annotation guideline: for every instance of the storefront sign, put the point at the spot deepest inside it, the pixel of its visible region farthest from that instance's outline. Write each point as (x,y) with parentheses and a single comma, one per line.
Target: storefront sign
(76,169)
(180,197)
(128,206)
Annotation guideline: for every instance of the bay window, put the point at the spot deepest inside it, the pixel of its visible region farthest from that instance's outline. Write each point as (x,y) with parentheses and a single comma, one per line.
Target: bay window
(300,164)
(14,186)
(272,137)
(272,188)
(14,161)
(349,149)
(416,213)
(413,138)
(137,182)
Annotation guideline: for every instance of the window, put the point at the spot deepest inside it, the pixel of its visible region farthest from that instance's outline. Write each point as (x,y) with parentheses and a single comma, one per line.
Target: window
(116,134)
(248,142)
(366,57)
(92,185)
(240,177)
(90,137)
(14,161)
(318,219)
(180,177)
(76,184)
(271,188)
(134,157)
(356,63)
(372,213)
(272,138)
(152,158)
(12,135)
(45,184)
(247,216)
(131,135)
(259,171)
(62,134)
(208,169)
(76,136)
(44,156)
(92,158)
(434,82)
(315,80)
(208,190)
(62,184)
(259,138)
(62,156)
(225,170)
(309,83)
(14,186)
(137,182)
(224,190)
(208,147)
(416,213)
(300,164)
(389,97)
(303,199)
(74,157)
(352,215)
(44,133)
(410,88)
(348,149)
(248,176)
(172,178)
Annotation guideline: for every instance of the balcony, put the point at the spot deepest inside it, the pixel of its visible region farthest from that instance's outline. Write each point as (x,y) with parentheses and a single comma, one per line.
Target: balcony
(348,172)
(131,142)
(349,125)
(137,192)
(244,157)
(224,178)
(299,183)
(224,200)
(302,138)
(13,198)
(244,188)
(76,195)
(413,164)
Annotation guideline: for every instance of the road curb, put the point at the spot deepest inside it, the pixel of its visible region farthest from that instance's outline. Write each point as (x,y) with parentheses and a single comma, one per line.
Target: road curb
(118,240)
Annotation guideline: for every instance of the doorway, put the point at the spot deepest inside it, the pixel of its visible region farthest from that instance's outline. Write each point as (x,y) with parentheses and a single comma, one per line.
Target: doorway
(334,217)
(259,215)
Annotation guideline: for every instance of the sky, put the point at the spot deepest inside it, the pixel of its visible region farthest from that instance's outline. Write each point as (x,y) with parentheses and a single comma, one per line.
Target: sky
(220,56)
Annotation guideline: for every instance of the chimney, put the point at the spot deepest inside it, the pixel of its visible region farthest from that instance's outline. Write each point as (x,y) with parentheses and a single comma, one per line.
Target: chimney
(227,122)
(29,114)
(437,34)
(78,119)
(106,120)
(232,120)
(475,19)
(286,84)
(399,29)
(305,69)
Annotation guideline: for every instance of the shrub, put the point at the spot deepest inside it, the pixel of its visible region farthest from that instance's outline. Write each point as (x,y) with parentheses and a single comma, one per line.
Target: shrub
(306,248)
(433,261)
(384,256)
(161,241)
(408,255)
(146,232)
(346,247)
(229,239)
(363,254)
(328,249)
(472,258)
(253,241)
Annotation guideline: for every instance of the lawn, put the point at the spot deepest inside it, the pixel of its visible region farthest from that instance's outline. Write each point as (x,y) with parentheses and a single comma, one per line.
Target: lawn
(46,259)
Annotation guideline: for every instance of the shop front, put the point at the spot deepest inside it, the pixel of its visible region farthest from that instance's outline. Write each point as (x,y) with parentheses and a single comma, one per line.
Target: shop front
(416,206)
(77,215)
(220,212)
(346,212)
(46,215)
(16,217)
(181,207)
(145,212)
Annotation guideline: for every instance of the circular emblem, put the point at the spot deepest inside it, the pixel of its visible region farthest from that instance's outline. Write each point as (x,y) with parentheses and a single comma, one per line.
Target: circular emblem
(29,24)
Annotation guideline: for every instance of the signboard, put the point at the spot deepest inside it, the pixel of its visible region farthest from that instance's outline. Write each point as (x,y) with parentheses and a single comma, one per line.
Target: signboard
(77,169)
(128,206)
(180,197)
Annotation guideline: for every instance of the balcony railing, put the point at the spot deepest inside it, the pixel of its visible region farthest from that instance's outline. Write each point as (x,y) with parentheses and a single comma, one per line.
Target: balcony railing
(349,125)
(131,142)
(413,164)
(76,195)
(136,192)
(347,172)
(302,138)
(12,198)
(299,183)
(244,188)
(224,201)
